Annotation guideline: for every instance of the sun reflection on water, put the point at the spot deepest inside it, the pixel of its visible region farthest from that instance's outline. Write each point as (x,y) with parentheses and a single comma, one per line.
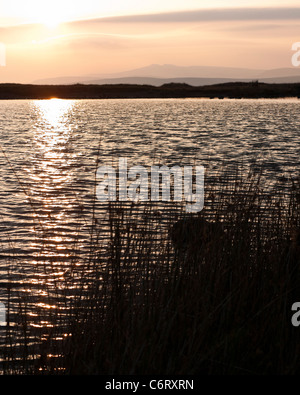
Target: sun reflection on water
(53,152)
(54,111)
(51,172)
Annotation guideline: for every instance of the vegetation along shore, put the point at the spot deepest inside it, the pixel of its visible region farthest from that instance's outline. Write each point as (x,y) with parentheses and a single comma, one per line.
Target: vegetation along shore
(253,90)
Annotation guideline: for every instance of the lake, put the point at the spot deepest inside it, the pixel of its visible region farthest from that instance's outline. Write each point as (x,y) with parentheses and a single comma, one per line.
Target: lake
(49,153)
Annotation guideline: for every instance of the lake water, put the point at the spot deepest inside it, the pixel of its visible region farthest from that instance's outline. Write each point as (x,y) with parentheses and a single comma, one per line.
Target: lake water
(49,151)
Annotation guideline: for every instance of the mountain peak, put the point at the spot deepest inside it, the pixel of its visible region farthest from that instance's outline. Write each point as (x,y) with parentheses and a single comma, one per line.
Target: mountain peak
(166,73)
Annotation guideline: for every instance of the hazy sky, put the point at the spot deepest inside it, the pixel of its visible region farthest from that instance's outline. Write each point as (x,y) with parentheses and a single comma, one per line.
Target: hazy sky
(70,37)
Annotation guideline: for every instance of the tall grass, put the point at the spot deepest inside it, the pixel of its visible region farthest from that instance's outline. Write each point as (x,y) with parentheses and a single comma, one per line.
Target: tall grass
(134,305)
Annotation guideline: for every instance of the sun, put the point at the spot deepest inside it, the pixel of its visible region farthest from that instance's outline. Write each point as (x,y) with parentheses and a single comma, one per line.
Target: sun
(48,13)
(50,16)
(51,23)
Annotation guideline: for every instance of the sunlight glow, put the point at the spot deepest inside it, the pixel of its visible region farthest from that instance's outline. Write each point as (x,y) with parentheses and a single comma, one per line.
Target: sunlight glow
(49,13)
(51,23)
(54,110)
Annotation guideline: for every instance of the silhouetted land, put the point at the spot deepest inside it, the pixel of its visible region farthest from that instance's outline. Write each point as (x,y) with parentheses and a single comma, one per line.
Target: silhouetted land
(79,91)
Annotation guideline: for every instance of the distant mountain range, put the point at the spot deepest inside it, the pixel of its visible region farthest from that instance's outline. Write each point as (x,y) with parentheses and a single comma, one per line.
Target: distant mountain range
(158,75)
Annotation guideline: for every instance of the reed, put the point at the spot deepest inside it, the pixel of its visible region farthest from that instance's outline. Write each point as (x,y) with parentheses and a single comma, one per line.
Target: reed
(217,300)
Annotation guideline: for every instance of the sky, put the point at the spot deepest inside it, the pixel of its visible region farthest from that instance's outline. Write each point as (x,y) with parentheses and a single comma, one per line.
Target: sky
(46,39)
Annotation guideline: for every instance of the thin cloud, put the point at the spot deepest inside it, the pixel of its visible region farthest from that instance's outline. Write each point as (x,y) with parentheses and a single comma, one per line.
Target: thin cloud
(75,36)
(207,15)
(255,27)
(204,15)
(90,40)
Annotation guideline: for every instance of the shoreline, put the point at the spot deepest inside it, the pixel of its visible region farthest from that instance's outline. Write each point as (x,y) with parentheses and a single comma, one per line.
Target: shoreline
(231,90)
